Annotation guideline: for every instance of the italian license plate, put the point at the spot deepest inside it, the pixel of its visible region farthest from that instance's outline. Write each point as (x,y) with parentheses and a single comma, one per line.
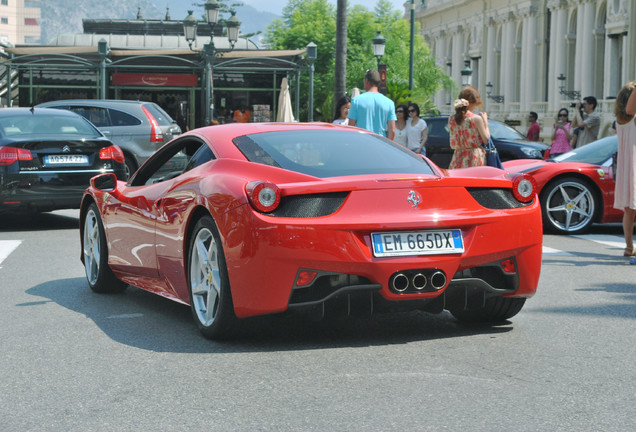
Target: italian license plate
(66,160)
(417,243)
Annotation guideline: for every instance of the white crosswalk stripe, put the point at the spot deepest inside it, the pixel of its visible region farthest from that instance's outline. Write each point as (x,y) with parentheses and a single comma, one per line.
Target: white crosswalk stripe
(6,247)
(555,252)
(606,239)
(614,241)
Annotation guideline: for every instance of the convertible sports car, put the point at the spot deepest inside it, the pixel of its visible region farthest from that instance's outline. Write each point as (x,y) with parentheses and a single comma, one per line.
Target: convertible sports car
(248,219)
(576,189)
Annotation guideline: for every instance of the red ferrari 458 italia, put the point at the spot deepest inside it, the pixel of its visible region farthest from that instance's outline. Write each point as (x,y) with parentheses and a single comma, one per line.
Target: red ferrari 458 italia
(576,189)
(249,219)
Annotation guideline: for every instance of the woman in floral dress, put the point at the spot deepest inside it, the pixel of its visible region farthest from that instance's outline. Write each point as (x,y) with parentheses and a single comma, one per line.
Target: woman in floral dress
(468,131)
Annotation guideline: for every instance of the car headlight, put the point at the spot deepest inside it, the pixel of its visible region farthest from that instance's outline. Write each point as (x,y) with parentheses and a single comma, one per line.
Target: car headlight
(532,153)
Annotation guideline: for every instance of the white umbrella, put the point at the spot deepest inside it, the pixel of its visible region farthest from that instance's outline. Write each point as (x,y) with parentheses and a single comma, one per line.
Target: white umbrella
(285,113)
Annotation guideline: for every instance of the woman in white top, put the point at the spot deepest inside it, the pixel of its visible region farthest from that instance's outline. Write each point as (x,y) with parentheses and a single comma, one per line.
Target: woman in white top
(625,186)
(416,130)
(342,109)
(400,125)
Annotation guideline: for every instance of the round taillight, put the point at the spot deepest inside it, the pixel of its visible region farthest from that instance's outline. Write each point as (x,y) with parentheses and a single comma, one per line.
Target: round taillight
(524,188)
(263,195)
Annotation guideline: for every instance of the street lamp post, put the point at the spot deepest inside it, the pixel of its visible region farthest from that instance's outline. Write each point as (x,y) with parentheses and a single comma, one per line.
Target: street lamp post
(190,24)
(379,43)
(572,94)
(102,50)
(312,52)
(467,74)
(496,98)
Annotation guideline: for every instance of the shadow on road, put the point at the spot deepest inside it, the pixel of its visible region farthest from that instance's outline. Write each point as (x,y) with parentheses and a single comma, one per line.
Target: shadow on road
(146,321)
(38,221)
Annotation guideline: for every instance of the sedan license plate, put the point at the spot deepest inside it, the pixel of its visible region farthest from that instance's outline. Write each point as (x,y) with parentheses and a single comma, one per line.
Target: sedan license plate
(417,243)
(65,160)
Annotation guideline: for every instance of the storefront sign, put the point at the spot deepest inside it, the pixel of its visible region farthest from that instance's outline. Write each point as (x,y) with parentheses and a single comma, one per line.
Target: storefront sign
(155,79)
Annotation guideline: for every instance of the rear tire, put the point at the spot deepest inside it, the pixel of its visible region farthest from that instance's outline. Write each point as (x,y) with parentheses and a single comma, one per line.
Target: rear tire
(130,166)
(208,282)
(95,252)
(496,309)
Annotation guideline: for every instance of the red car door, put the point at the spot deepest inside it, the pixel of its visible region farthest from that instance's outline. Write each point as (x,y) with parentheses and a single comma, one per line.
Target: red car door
(130,221)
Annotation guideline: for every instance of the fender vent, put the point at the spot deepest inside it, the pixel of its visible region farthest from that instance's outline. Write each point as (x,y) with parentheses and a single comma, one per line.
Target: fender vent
(313,205)
(496,199)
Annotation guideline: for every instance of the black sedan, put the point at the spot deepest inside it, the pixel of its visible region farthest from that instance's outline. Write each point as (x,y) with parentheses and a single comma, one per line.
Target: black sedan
(509,142)
(48,156)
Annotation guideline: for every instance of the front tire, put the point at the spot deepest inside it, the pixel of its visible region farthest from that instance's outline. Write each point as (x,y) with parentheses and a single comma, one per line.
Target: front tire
(208,282)
(95,251)
(568,206)
(496,309)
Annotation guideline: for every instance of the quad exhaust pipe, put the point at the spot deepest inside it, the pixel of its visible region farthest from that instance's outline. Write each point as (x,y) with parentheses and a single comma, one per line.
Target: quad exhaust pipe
(418,281)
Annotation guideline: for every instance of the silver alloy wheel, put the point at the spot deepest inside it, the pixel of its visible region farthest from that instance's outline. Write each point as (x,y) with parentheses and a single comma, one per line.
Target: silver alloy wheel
(92,247)
(205,278)
(570,206)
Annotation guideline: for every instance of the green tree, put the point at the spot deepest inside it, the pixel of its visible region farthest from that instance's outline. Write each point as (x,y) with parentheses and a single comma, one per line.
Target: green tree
(307,21)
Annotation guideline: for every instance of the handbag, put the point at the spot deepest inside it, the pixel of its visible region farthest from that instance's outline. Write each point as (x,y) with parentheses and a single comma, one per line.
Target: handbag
(492,156)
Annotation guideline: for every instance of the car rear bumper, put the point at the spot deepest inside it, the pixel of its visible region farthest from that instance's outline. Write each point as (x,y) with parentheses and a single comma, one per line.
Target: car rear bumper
(343,258)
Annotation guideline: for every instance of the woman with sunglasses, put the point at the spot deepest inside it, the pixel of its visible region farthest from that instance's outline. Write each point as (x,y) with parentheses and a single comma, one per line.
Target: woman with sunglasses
(416,130)
(561,135)
(400,125)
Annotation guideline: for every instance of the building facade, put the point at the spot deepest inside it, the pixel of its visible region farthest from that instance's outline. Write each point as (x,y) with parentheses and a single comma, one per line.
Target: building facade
(533,55)
(20,22)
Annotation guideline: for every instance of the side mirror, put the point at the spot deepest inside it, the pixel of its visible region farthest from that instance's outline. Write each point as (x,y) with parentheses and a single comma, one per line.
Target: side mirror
(105,182)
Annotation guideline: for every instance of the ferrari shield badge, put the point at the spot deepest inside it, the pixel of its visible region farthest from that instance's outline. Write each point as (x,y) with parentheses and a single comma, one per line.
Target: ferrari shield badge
(413,198)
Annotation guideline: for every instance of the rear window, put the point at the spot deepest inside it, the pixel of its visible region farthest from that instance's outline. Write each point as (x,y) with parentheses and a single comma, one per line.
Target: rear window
(159,114)
(24,126)
(120,118)
(331,153)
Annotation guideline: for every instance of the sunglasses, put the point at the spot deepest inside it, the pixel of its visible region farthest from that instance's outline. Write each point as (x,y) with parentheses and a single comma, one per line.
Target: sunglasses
(399,111)
(411,111)
(563,115)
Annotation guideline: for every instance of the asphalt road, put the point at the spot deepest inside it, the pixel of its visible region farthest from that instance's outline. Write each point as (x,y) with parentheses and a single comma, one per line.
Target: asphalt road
(72,360)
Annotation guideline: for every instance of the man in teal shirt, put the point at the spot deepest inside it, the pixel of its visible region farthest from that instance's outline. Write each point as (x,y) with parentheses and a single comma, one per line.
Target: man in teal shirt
(372,110)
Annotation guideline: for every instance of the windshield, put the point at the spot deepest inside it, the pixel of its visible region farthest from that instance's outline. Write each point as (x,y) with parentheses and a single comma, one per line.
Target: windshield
(322,154)
(26,125)
(502,131)
(596,153)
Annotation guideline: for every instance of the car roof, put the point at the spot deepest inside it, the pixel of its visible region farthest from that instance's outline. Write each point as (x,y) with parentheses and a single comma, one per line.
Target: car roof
(95,102)
(5,112)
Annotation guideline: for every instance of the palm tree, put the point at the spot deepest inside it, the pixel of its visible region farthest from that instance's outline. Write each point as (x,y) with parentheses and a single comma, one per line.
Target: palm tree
(340,70)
